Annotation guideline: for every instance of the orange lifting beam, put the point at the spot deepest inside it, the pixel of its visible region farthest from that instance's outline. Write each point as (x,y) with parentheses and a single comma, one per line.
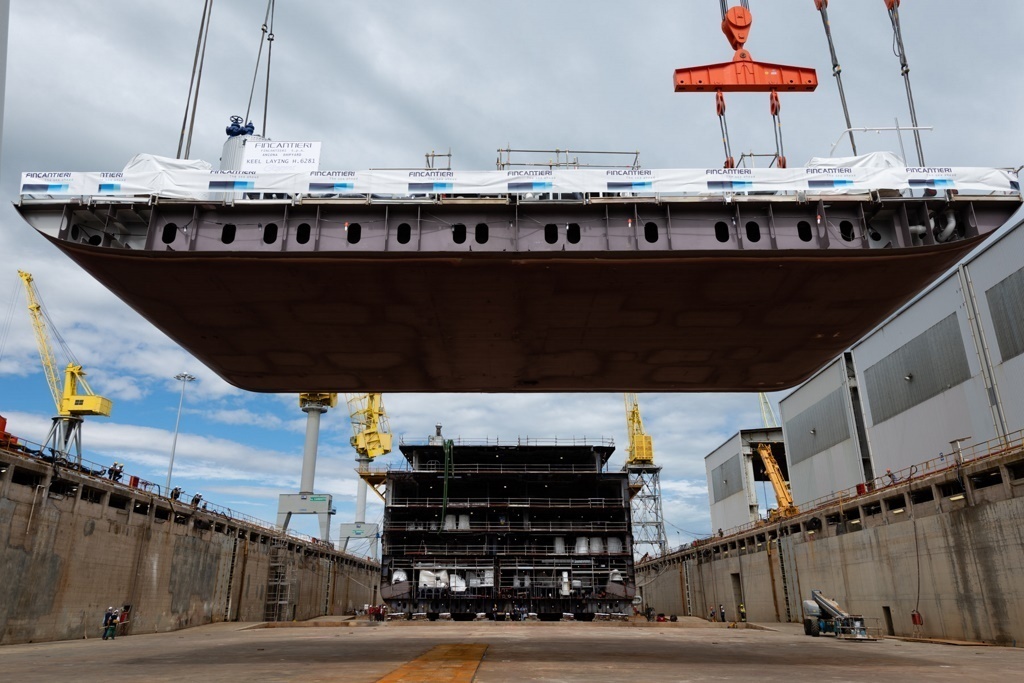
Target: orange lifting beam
(743,74)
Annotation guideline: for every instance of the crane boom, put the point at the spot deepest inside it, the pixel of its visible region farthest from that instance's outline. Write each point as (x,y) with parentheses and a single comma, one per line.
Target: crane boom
(641,447)
(35,310)
(371,430)
(783,497)
(68,399)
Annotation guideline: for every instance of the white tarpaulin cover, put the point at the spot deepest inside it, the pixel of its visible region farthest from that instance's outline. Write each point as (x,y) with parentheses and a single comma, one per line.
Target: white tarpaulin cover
(155,178)
(869,160)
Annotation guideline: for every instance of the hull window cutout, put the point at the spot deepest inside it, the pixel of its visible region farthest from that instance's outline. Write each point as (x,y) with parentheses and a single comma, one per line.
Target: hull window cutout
(95,240)
(550,233)
(846,231)
(722,231)
(753,232)
(404,233)
(302,233)
(803,230)
(270,233)
(170,232)
(227,233)
(355,233)
(459,233)
(572,233)
(482,233)
(651,232)
(76,232)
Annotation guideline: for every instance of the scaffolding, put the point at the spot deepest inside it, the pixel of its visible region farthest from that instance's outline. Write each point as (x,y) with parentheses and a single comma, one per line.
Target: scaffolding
(648,520)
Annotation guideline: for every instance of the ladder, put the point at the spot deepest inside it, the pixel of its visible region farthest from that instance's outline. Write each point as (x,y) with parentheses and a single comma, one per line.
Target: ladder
(278,584)
(231,580)
(785,580)
(687,598)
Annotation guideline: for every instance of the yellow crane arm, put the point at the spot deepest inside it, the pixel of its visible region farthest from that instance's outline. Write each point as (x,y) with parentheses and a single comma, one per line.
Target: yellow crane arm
(42,339)
(68,399)
(641,446)
(371,429)
(771,468)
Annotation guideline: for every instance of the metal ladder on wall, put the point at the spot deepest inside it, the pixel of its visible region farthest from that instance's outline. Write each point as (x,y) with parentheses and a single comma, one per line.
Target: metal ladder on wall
(231,580)
(329,588)
(785,579)
(687,596)
(278,584)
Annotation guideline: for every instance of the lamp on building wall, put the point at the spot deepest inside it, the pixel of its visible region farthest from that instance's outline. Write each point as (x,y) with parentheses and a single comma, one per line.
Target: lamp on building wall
(184,378)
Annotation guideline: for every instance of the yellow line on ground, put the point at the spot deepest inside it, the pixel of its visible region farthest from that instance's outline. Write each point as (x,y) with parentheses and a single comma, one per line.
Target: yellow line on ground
(443,664)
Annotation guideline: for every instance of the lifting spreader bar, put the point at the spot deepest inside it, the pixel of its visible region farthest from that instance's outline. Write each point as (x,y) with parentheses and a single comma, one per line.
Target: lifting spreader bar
(743,74)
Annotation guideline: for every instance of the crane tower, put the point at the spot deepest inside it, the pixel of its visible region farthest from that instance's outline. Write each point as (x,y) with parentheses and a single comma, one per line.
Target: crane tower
(74,399)
(306,502)
(645,484)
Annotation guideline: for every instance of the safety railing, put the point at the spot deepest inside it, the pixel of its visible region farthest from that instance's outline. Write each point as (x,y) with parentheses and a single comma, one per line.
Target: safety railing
(532,527)
(517,441)
(182,501)
(992,448)
(509,502)
(412,549)
(944,461)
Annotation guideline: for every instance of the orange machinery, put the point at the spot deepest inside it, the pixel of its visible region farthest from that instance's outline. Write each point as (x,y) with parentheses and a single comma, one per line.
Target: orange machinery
(743,74)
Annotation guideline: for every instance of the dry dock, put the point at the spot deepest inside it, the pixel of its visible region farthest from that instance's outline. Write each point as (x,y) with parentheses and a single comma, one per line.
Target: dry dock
(514,652)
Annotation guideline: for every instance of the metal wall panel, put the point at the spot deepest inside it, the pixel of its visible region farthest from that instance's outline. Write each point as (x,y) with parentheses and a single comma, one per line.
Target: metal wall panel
(818,428)
(933,361)
(727,479)
(1006,304)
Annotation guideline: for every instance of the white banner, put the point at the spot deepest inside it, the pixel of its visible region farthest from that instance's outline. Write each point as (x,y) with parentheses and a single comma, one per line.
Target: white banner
(276,157)
(208,184)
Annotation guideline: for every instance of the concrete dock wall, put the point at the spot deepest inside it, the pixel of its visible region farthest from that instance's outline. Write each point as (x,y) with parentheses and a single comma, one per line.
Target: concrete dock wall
(71,545)
(950,545)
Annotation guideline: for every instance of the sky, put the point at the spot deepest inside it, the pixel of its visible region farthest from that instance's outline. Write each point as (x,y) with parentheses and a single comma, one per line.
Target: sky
(89,85)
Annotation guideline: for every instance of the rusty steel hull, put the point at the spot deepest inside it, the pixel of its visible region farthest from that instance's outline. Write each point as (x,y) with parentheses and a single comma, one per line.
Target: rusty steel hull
(540,321)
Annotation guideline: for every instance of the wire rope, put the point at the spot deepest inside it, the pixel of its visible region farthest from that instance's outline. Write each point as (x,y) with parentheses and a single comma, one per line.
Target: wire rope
(192,80)
(199,76)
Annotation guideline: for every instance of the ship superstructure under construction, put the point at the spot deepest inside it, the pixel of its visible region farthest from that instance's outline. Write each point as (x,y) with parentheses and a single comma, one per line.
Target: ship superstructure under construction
(536,529)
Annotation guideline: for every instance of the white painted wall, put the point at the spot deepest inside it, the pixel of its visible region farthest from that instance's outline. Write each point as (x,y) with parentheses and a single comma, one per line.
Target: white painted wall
(926,430)
(833,469)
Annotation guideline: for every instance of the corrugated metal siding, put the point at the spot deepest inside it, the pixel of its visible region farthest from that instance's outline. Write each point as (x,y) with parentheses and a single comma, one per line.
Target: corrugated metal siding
(727,478)
(827,418)
(1006,303)
(935,360)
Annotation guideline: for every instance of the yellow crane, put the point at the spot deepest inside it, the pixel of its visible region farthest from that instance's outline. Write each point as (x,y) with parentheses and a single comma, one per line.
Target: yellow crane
(783,497)
(648,521)
(371,430)
(371,438)
(641,447)
(73,399)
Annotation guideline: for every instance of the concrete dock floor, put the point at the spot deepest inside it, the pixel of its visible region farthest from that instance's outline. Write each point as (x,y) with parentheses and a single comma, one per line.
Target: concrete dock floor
(559,652)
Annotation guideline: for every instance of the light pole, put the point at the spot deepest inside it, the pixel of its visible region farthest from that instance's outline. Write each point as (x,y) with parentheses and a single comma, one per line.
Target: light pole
(184,378)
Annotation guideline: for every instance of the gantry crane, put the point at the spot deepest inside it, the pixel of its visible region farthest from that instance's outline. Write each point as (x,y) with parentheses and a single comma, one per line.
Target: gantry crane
(74,399)
(371,438)
(305,501)
(645,481)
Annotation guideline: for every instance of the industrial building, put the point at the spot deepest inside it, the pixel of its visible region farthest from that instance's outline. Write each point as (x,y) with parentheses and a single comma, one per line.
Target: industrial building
(945,372)
(528,529)
(734,468)
(904,460)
